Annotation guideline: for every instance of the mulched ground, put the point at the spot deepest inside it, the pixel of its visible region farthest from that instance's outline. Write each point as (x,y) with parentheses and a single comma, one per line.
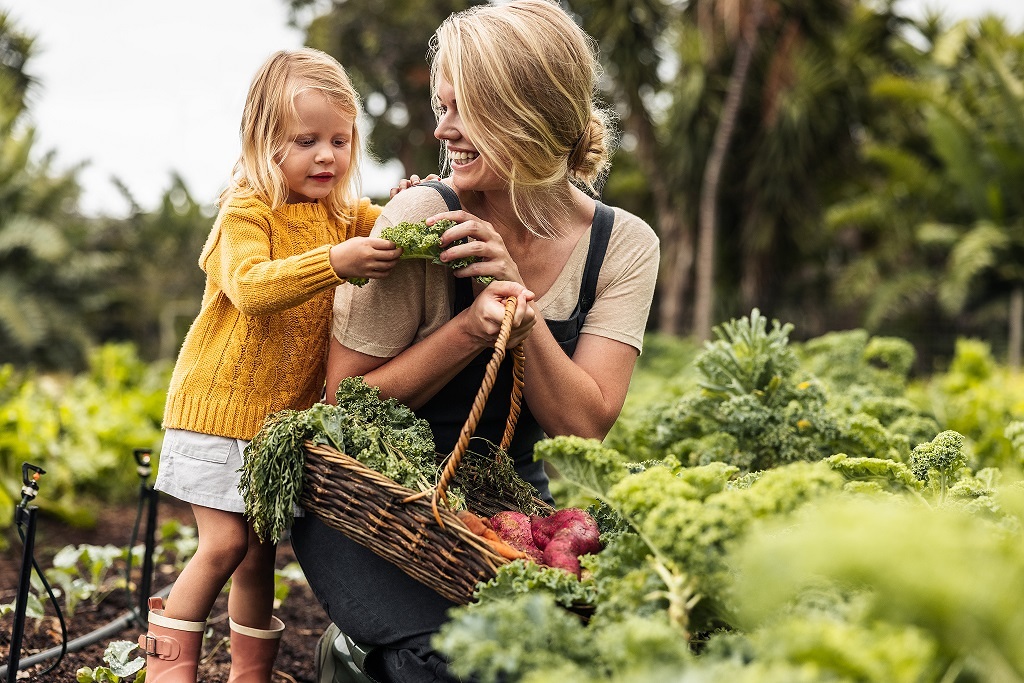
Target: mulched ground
(300,611)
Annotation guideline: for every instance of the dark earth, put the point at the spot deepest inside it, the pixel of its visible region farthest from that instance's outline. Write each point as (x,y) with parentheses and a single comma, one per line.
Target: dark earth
(300,611)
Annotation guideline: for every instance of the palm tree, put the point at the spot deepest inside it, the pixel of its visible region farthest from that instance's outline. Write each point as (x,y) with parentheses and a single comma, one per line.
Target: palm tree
(786,111)
(948,199)
(50,276)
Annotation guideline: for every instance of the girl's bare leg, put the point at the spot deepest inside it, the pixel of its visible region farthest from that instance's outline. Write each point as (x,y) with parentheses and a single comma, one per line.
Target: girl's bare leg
(251,599)
(223,545)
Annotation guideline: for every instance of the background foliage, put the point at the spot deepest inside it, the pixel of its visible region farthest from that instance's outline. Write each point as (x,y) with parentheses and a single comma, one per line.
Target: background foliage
(869,177)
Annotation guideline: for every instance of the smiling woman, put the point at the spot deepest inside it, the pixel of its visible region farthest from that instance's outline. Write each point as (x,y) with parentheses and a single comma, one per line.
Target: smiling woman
(513,86)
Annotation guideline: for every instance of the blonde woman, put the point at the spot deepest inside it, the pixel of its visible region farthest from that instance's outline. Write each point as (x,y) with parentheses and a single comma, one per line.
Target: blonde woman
(525,146)
(291,228)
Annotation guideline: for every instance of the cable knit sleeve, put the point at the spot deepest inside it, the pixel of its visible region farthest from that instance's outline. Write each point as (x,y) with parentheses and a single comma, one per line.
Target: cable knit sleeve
(239,258)
(366,216)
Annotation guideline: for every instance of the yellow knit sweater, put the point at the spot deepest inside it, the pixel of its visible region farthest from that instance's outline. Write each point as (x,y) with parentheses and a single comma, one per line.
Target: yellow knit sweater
(259,343)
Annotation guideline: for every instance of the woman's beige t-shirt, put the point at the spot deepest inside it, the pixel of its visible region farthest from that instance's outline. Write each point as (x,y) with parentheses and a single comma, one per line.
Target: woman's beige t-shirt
(384,317)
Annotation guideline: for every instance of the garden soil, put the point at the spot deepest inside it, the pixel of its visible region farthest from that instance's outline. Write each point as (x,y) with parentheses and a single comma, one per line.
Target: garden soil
(300,611)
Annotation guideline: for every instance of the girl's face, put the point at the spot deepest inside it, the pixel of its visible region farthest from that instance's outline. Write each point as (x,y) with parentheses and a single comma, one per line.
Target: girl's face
(319,150)
(470,170)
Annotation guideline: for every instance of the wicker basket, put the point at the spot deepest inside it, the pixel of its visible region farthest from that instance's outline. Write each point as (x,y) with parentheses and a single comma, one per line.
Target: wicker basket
(414,530)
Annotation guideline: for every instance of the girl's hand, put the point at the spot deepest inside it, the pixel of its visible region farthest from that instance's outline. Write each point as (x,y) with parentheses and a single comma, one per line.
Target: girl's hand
(484,316)
(369,257)
(484,243)
(411,181)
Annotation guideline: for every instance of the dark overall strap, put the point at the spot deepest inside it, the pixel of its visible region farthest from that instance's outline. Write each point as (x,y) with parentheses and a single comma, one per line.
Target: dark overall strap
(450,198)
(567,332)
(447,410)
(600,234)
(463,296)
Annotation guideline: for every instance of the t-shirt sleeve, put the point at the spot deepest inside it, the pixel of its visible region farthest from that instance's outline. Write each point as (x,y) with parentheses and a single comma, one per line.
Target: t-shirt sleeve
(386,316)
(625,286)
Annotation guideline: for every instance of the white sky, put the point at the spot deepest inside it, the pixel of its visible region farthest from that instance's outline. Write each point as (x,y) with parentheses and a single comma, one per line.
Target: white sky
(140,89)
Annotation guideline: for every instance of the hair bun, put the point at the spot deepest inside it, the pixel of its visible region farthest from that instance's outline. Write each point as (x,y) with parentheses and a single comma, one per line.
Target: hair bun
(590,159)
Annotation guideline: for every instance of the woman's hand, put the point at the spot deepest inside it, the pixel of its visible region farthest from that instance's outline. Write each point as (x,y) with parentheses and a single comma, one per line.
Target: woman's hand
(411,181)
(484,243)
(483,318)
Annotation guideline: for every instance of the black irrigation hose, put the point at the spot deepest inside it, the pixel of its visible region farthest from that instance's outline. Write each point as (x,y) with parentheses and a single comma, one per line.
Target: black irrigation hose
(58,651)
(111,629)
(128,562)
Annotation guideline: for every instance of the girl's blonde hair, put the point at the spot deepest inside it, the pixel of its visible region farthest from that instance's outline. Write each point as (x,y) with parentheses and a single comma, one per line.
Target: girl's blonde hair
(267,124)
(525,78)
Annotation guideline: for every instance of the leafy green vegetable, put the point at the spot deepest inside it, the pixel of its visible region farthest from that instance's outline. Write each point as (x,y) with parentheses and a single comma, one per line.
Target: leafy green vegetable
(940,461)
(419,240)
(521,577)
(504,640)
(383,434)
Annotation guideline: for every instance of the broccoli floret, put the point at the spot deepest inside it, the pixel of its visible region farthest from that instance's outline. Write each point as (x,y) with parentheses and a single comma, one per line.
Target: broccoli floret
(419,240)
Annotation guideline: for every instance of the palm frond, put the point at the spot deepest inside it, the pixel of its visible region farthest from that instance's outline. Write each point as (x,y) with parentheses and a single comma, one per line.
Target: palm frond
(43,240)
(976,252)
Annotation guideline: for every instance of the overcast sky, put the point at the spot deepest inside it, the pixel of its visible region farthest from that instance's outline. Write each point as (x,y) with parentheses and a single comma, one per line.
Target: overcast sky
(141,89)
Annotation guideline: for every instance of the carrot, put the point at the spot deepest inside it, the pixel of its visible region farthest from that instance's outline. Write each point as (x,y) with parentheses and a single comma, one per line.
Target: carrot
(481,527)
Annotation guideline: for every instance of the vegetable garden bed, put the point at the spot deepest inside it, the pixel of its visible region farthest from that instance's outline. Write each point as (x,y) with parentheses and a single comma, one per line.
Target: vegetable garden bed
(300,611)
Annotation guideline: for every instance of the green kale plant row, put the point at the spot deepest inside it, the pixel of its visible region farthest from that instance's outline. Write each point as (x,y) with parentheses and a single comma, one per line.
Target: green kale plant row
(791,513)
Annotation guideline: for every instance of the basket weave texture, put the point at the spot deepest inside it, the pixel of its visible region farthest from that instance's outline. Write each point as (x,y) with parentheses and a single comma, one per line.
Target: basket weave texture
(414,530)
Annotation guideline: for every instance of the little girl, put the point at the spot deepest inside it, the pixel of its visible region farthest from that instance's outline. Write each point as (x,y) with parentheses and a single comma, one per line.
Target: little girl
(291,228)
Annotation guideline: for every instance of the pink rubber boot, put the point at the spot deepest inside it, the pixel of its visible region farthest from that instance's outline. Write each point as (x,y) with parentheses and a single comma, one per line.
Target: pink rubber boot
(172,646)
(253,651)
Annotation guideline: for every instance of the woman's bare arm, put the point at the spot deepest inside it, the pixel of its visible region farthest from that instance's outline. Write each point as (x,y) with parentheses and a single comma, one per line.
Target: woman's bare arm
(582,395)
(421,370)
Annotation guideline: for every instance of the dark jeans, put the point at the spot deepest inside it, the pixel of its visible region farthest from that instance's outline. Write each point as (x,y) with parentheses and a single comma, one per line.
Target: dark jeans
(374,603)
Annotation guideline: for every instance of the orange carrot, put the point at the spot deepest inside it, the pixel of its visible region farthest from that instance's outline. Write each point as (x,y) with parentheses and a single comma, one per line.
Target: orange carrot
(479,526)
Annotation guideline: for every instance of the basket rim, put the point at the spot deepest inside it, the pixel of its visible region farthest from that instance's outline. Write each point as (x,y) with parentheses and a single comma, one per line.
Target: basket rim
(452,524)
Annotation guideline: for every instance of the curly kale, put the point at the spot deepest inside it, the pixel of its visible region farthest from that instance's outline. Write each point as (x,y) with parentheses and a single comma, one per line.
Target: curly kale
(507,640)
(940,461)
(521,577)
(587,463)
(419,240)
(889,475)
(382,434)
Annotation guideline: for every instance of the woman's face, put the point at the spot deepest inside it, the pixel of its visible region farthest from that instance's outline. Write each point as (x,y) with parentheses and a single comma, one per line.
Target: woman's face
(470,170)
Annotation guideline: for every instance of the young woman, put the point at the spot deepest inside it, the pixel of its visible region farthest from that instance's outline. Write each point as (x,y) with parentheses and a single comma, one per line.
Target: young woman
(525,145)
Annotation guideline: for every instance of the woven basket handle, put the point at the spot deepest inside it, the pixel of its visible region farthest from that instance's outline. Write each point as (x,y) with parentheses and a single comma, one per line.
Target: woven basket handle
(439,492)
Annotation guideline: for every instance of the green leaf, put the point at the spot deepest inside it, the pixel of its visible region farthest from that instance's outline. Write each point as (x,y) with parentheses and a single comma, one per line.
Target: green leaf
(584,462)
(117,656)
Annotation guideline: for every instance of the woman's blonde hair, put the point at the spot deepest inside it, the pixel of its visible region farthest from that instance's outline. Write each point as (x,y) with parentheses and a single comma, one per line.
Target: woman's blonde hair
(525,76)
(268,120)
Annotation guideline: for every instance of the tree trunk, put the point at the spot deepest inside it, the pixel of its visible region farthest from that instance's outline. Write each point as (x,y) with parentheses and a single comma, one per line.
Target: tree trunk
(1013,351)
(704,289)
(674,274)
(674,233)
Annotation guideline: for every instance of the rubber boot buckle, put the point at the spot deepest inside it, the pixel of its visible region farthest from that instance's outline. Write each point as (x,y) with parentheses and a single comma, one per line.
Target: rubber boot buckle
(152,647)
